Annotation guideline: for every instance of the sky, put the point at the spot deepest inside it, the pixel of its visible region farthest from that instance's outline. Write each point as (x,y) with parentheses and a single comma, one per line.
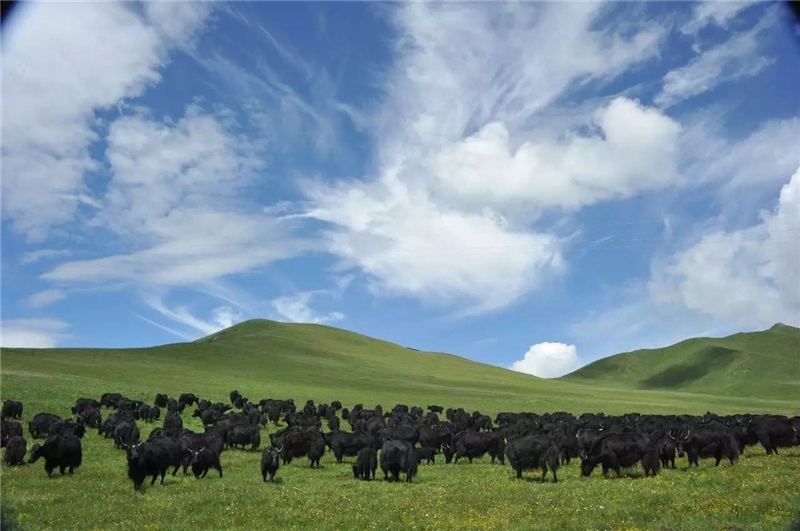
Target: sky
(530,185)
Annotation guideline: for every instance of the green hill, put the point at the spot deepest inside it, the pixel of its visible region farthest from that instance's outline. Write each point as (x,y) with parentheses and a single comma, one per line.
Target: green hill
(264,358)
(756,364)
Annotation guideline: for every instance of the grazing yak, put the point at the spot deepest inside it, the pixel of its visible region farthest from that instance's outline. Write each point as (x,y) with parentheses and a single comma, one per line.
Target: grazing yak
(397,457)
(84,403)
(427,454)
(531,452)
(204,459)
(188,399)
(270,462)
(773,432)
(12,409)
(616,450)
(39,425)
(244,434)
(343,443)
(161,400)
(58,451)
(472,444)
(366,464)
(9,429)
(707,441)
(15,451)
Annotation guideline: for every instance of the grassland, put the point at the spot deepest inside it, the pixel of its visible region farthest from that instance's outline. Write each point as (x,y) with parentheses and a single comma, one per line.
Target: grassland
(267,359)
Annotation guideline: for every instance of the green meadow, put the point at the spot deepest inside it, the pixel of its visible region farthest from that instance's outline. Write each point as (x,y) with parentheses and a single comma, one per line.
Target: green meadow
(269,359)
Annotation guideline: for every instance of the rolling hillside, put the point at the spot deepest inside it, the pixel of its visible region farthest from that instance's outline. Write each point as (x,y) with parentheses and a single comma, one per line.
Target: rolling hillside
(757,364)
(264,358)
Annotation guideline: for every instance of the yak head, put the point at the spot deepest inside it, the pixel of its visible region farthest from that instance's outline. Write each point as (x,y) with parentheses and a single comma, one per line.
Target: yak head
(273,455)
(35,453)
(133,451)
(196,454)
(681,439)
(588,464)
(448,452)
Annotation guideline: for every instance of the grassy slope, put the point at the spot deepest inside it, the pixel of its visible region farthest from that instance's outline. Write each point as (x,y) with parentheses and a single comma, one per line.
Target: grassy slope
(757,364)
(263,358)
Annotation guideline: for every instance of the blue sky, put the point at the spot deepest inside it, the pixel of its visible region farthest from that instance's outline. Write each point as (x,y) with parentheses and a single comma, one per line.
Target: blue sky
(532,185)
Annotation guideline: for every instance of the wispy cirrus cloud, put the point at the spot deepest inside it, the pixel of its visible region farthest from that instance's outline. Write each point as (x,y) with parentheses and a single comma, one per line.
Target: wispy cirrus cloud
(45,298)
(737,58)
(193,326)
(53,87)
(31,257)
(713,12)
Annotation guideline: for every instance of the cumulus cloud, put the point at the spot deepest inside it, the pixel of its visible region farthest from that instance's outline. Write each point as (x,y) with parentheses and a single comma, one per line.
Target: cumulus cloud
(32,333)
(749,276)
(461,174)
(52,87)
(297,308)
(735,59)
(548,360)
(633,150)
(45,297)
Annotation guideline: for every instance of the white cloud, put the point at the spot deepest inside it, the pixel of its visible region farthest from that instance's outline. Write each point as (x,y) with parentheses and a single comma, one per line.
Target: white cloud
(735,59)
(221,317)
(633,150)
(225,316)
(462,66)
(174,197)
(548,360)
(55,76)
(410,245)
(718,12)
(46,297)
(296,308)
(32,333)
(764,157)
(179,333)
(32,257)
(747,277)
(446,216)
(178,22)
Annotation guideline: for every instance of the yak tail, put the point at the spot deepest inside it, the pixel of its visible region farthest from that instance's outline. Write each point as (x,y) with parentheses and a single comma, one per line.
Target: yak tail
(654,459)
(733,448)
(552,457)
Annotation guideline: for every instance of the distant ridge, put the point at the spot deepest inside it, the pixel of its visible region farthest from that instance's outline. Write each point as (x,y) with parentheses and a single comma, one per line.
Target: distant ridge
(753,364)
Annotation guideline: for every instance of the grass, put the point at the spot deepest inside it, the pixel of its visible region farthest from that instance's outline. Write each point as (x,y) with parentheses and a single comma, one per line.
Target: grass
(267,359)
(754,365)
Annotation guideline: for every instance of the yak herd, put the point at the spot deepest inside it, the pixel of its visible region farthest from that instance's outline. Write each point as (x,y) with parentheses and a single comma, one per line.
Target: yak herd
(405,436)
